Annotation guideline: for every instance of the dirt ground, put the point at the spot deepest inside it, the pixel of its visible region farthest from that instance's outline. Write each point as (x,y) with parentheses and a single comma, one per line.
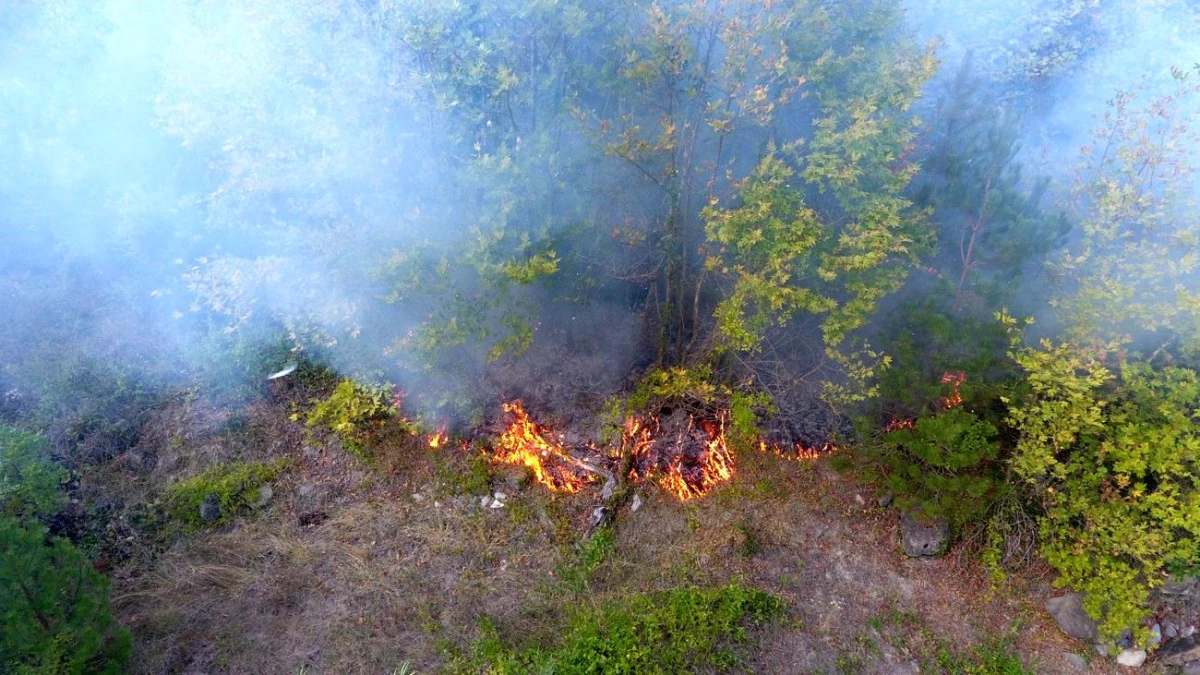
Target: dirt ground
(365,569)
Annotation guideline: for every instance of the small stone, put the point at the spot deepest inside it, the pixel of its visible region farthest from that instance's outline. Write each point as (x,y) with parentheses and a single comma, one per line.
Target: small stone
(1067,610)
(497,504)
(310,453)
(1187,631)
(484,501)
(500,496)
(598,515)
(859,499)
(637,503)
(1101,649)
(1076,661)
(1155,638)
(886,500)
(1170,630)
(210,508)
(919,539)
(1133,658)
(306,490)
(418,497)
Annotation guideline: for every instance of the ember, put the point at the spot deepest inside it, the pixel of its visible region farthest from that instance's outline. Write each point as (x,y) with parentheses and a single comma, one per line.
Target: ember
(900,424)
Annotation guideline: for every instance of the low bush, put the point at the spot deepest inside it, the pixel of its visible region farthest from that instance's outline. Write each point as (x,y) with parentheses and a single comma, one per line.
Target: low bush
(235,485)
(943,466)
(353,411)
(29,481)
(676,631)
(1114,455)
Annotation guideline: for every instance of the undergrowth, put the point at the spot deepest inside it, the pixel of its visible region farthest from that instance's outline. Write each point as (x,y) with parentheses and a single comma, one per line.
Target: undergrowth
(675,631)
(235,484)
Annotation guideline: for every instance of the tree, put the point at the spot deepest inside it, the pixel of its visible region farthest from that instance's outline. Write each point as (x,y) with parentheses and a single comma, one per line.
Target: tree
(1108,440)
(54,608)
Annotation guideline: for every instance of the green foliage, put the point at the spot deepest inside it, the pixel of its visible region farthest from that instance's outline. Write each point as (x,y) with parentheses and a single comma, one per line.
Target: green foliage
(353,410)
(691,385)
(30,483)
(681,630)
(944,467)
(926,343)
(991,657)
(991,225)
(770,248)
(236,485)
(1131,270)
(55,615)
(744,407)
(1115,458)
(589,555)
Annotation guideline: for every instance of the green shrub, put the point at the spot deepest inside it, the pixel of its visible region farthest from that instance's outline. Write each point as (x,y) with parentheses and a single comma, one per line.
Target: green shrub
(1115,458)
(676,631)
(943,467)
(55,615)
(353,411)
(589,555)
(29,480)
(235,484)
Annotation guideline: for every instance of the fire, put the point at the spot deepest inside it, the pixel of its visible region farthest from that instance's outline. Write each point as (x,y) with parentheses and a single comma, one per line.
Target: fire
(688,478)
(527,443)
(687,463)
(802,453)
(955,380)
(900,424)
(438,438)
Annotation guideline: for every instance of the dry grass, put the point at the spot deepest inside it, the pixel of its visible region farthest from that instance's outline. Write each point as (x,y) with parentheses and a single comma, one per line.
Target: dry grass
(388,577)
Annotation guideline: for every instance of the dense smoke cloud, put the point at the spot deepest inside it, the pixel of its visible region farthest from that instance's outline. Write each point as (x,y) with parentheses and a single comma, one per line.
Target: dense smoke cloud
(182,170)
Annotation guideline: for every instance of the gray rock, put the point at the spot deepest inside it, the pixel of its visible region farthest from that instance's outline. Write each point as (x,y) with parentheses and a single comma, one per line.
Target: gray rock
(919,539)
(1170,630)
(1155,638)
(1192,668)
(1068,611)
(1187,631)
(1179,652)
(1076,661)
(1126,639)
(210,509)
(1132,658)
(885,500)
(264,495)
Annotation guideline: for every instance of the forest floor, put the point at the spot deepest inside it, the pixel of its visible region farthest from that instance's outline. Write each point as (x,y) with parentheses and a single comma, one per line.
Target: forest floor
(360,568)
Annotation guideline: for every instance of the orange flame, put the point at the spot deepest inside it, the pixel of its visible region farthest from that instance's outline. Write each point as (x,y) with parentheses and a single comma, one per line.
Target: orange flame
(438,438)
(955,380)
(802,454)
(687,481)
(526,443)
